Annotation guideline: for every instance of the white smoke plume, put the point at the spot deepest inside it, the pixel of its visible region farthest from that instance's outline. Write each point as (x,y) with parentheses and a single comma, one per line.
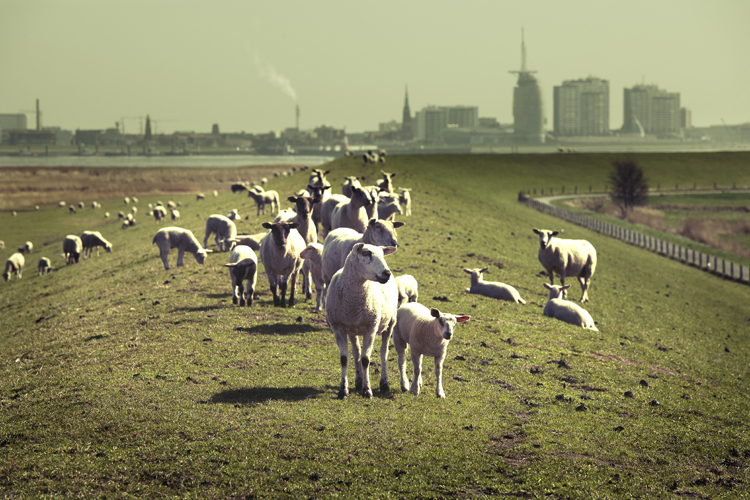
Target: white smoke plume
(269,73)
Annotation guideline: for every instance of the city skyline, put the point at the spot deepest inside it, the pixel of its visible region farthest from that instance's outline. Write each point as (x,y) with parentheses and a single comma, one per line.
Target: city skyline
(248,65)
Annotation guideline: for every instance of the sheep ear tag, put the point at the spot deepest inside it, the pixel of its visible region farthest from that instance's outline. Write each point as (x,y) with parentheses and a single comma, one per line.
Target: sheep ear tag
(462,319)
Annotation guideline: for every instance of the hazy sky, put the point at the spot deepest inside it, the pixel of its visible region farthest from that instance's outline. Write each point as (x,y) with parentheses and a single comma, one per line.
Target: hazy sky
(245,64)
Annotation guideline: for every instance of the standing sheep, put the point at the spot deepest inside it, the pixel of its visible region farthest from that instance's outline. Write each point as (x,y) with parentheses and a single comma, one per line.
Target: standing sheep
(303,216)
(385,184)
(243,265)
(264,198)
(313,255)
(28,247)
(492,289)
(160,213)
(353,214)
(91,239)
(404,197)
(14,264)
(349,183)
(182,239)
(566,311)
(361,301)
(44,266)
(408,289)
(72,248)
(567,258)
(223,228)
(175,215)
(280,254)
(326,210)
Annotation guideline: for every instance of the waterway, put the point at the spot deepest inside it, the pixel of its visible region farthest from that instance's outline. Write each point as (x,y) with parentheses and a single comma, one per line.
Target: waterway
(163,161)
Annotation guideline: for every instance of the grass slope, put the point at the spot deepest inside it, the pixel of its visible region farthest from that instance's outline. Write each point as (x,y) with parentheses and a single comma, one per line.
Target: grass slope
(121,379)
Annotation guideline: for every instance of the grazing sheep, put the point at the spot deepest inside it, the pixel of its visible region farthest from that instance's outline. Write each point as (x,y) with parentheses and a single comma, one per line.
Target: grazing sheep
(404,197)
(339,243)
(492,289)
(238,187)
(243,265)
(362,301)
(81,205)
(106,215)
(134,199)
(427,332)
(91,239)
(44,266)
(2,244)
(72,209)
(249,240)
(567,258)
(200,196)
(408,289)
(264,180)
(95,205)
(27,247)
(175,215)
(160,214)
(120,214)
(72,249)
(280,254)
(14,264)
(313,255)
(126,200)
(353,214)
(566,311)
(326,210)
(223,228)
(234,215)
(62,204)
(182,239)
(386,184)
(171,205)
(349,183)
(264,198)
(216,193)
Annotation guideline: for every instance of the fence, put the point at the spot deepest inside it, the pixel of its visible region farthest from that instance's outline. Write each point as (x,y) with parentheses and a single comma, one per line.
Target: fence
(710,263)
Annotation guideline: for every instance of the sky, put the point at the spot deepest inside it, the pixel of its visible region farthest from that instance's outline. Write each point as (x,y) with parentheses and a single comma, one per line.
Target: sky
(246,64)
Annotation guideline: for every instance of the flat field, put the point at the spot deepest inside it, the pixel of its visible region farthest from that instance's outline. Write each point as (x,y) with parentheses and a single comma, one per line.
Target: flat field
(119,379)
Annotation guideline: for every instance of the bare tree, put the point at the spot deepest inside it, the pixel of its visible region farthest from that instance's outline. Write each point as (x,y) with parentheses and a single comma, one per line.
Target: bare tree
(629,186)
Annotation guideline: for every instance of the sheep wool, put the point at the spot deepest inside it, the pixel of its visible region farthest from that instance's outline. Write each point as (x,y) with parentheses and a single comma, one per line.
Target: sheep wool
(243,265)
(492,289)
(567,258)
(14,264)
(183,240)
(566,311)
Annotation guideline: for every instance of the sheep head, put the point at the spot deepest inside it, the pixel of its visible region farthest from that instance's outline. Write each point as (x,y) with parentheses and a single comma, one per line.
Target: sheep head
(448,322)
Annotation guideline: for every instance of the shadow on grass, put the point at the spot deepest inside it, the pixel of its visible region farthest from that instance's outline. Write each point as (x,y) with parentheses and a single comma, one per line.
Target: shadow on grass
(281,329)
(219,295)
(260,395)
(196,309)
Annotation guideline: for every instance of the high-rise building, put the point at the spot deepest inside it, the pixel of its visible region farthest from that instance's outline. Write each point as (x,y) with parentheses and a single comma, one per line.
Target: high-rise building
(432,120)
(528,113)
(13,121)
(407,126)
(581,107)
(650,110)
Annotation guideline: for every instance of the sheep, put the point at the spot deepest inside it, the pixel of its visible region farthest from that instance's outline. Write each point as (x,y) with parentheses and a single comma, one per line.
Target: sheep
(200,196)
(2,244)
(182,239)
(171,205)
(234,215)
(279,253)
(339,243)
(492,289)
(120,214)
(160,214)
(91,239)
(223,228)
(72,249)
(388,208)
(362,301)
(106,215)
(175,215)
(567,258)
(318,177)
(326,210)
(238,187)
(249,240)
(72,209)
(566,311)
(81,205)
(134,210)
(352,214)
(14,264)
(13,213)
(134,199)
(216,193)
(427,332)
(303,216)
(126,200)
(408,289)
(264,180)
(44,266)
(95,205)
(386,184)
(27,247)
(62,204)
(313,256)
(404,197)
(349,183)
(243,265)
(263,198)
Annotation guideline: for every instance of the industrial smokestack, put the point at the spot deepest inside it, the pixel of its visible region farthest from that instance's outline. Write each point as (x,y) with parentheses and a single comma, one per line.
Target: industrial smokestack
(38,117)
(297,116)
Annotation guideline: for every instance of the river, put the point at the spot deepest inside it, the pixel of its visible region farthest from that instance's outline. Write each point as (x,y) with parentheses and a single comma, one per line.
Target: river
(165,161)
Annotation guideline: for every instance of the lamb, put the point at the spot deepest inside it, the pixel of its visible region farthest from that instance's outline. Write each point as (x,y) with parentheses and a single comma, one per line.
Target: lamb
(349,183)
(175,215)
(14,264)
(404,197)
(388,208)
(249,240)
(352,214)
(223,228)
(386,184)
(91,239)
(134,199)
(492,289)
(160,213)
(44,266)
(134,210)
(339,243)
(280,254)
(408,289)
(200,196)
(72,249)
(126,200)
(566,311)
(303,216)
(182,239)
(427,332)
(318,177)
(362,301)
(321,193)
(313,255)
(233,215)
(264,198)
(243,265)
(567,258)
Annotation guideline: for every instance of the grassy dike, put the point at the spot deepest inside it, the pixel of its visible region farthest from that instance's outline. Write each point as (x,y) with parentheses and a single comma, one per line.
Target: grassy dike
(120,379)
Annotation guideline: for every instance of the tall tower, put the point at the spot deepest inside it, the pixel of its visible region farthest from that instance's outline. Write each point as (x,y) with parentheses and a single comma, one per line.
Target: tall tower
(528,114)
(407,126)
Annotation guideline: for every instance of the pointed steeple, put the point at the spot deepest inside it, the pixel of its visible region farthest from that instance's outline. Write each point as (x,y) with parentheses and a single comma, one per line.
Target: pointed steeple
(407,129)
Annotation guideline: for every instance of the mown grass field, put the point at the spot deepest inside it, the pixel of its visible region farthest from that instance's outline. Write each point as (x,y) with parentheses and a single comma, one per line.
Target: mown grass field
(120,379)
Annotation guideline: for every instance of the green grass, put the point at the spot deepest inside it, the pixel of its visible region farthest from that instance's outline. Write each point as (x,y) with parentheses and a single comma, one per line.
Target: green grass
(121,379)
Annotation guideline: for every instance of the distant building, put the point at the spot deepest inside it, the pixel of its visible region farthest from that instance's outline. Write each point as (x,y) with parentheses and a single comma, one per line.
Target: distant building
(686,118)
(13,121)
(329,134)
(650,110)
(391,126)
(432,120)
(581,108)
(528,113)
(407,124)
(88,137)
(489,122)
(31,137)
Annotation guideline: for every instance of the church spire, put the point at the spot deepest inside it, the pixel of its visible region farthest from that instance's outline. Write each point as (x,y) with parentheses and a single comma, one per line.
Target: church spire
(407,130)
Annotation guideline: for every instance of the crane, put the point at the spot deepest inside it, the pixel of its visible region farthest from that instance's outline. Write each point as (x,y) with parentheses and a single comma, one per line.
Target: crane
(122,122)
(156,122)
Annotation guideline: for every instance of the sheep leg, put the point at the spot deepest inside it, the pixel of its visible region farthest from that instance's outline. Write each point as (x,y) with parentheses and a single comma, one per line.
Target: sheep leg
(251,286)
(205,240)
(307,283)
(293,283)
(241,293)
(341,341)
(356,350)
(180,255)
(274,291)
(385,385)
(439,376)
(564,294)
(283,286)
(162,253)
(400,346)
(416,382)
(367,343)
(584,281)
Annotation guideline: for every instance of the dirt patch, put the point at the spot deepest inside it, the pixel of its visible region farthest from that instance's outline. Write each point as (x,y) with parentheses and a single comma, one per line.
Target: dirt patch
(583,456)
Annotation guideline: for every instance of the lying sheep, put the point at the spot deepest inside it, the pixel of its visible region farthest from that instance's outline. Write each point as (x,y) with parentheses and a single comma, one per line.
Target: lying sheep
(361,301)
(566,311)
(223,228)
(160,214)
(265,198)
(249,240)
(243,265)
(175,215)
(408,289)
(349,183)
(72,249)
(14,264)
(492,289)
(567,258)
(280,254)
(353,214)
(44,266)
(182,239)
(427,332)
(313,265)
(94,239)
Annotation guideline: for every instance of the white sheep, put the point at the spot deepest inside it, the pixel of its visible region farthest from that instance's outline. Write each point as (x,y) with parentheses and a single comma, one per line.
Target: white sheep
(280,254)
(223,228)
(386,183)
(126,200)
(353,214)
(408,289)
(362,300)
(182,239)
(94,239)
(27,247)
(427,332)
(567,258)
(134,199)
(303,216)
(160,213)
(2,244)
(313,255)
(134,210)
(175,215)
(216,193)
(72,249)
(234,215)
(326,210)
(566,311)
(339,243)
(120,214)
(265,198)
(62,204)
(200,196)
(243,265)
(171,205)
(44,266)
(388,208)
(404,197)
(492,289)
(249,240)
(14,264)
(106,215)
(349,183)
